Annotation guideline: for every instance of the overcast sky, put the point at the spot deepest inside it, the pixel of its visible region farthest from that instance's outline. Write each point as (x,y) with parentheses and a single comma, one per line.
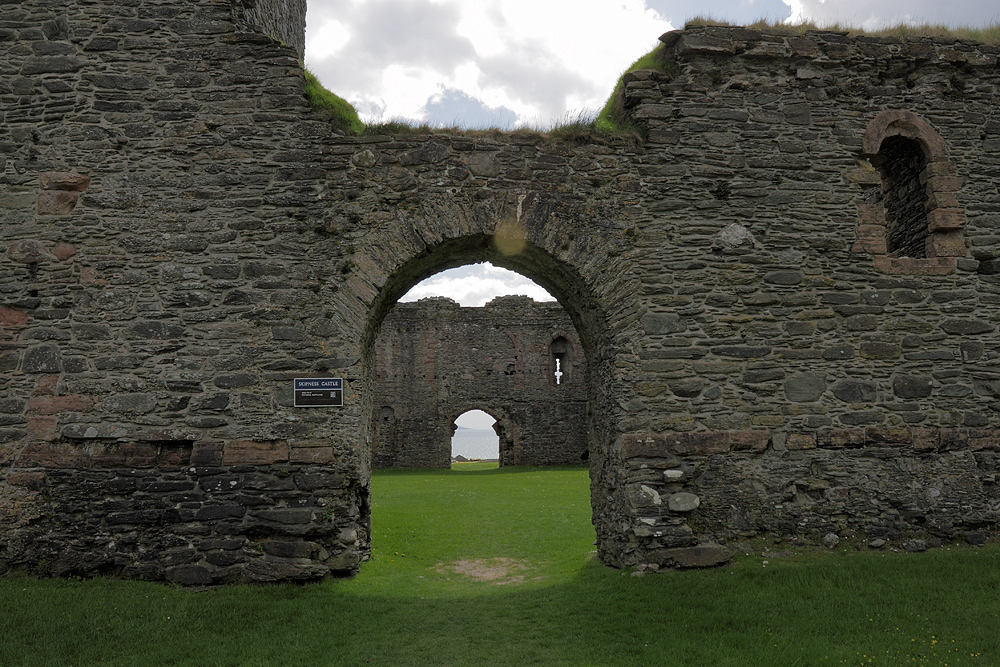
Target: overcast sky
(510,63)
(506,63)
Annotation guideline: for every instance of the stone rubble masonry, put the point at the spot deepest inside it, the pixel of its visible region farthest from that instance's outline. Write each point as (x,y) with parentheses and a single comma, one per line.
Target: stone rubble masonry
(435,360)
(756,360)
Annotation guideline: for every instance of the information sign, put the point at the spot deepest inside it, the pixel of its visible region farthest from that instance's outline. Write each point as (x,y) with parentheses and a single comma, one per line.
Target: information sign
(319,392)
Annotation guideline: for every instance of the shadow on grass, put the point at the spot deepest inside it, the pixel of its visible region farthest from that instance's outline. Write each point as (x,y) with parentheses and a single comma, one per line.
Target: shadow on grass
(496,567)
(930,609)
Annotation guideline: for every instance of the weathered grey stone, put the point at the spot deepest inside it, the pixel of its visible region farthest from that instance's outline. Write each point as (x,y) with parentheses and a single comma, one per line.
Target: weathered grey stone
(189,575)
(683,502)
(805,387)
(662,323)
(839,352)
(155,330)
(139,403)
(702,555)
(912,386)
(42,359)
(966,327)
(50,65)
(735,235)
(831,540)
(91,431)
(783,277)
(365,158)
(855,391)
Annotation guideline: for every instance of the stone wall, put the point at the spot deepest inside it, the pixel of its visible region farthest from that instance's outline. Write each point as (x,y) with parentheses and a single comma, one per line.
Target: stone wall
(435,360)
(182,238)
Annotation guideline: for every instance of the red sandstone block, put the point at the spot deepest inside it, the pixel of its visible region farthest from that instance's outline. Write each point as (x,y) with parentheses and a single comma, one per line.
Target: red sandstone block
(888,435)
(835,438)
(63,180)
(945,244)
(207,453)
(43,429)
(940,201)
(698,444)
(7,454)
(173,456)
(50,405)
(749,441)
(64,251)
(926,439)
(871,239)
(645,445)
(52,455)
(941,219)
(311,455)
(936,168)
(48,385)
(942,183)
(252,452)
(123,455)
(57,202)
(954,438)
(800,441)
(29,480)
(12,318)
(89,276)
(872,220)
(984,439)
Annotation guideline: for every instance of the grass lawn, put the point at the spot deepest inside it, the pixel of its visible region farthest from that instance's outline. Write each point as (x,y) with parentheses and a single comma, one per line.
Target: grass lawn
(480,566)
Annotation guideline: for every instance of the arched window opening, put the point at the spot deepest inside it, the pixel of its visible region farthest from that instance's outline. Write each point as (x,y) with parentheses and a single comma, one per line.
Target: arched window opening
(901,162)
(559,366)
(475,438)
(911,221)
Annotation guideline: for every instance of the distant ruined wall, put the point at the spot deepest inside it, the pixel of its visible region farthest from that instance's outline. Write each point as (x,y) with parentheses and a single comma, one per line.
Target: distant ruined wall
(769,345)
(436,360)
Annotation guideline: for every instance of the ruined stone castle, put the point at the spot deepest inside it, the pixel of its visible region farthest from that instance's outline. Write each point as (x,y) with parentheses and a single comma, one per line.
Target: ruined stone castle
(519,361)
(786,295)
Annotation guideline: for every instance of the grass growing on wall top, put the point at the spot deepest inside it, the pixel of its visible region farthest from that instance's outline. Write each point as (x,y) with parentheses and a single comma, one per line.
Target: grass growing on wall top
(988,34)
(480,566)
(611,118)
(340,112)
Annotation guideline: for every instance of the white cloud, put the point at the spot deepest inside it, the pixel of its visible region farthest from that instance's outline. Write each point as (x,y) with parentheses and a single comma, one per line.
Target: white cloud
(871,16)
(476,419)
(538,59)
(476,284)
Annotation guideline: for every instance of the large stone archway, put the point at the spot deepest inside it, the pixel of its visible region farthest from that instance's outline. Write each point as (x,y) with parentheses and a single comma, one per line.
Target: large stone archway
(523,233)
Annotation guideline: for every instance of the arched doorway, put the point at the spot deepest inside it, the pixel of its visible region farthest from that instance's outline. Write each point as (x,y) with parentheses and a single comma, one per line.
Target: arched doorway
(476,436)
(589,276)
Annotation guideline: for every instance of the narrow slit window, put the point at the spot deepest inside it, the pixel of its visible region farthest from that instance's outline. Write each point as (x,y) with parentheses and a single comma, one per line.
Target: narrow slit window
(559,365)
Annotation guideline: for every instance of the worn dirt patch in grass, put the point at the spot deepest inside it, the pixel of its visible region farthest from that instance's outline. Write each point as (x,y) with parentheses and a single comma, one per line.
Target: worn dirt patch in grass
(499,571)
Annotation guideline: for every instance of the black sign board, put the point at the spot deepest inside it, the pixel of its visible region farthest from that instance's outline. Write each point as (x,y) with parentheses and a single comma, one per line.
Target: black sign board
(319,392)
